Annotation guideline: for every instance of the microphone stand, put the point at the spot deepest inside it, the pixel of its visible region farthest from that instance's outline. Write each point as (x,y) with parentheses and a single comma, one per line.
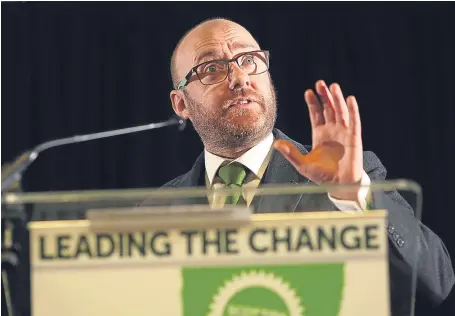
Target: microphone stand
(14,229)
(20,165)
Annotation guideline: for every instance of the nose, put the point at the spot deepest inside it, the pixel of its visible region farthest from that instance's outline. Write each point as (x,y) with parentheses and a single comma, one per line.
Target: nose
(238,78)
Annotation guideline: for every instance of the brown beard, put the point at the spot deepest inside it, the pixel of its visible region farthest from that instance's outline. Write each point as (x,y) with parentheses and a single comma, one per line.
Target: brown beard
(217,126)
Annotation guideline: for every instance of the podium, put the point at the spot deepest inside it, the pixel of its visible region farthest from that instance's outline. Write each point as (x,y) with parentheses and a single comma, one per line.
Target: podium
(176,252)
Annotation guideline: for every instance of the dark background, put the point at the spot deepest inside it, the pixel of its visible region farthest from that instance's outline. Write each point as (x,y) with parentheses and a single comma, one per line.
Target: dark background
(76,68)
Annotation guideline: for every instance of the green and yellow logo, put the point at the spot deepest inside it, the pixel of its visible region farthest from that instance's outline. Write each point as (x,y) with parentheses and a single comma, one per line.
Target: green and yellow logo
(256,293)
(268,290)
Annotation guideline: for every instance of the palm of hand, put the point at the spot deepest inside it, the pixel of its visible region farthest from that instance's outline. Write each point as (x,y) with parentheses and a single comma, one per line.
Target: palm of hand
(336,156)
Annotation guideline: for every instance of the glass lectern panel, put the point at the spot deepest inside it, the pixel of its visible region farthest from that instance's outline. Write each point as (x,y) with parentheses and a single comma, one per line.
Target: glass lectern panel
(289,249)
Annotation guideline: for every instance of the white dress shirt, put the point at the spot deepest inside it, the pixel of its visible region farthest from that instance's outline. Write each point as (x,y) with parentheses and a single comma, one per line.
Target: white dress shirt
(254,158)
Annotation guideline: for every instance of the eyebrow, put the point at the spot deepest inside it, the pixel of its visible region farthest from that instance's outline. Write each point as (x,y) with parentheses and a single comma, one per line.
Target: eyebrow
(204,55)
(244,45)
(235,45)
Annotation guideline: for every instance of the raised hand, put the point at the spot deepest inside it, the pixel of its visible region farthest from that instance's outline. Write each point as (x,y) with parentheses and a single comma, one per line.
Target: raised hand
(337,154)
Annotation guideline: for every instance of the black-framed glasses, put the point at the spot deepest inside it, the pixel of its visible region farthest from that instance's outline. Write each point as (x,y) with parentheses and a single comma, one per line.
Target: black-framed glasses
(215,71)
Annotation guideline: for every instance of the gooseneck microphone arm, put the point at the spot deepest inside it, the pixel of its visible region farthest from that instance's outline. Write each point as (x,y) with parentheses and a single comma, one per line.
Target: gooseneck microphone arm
(20,165)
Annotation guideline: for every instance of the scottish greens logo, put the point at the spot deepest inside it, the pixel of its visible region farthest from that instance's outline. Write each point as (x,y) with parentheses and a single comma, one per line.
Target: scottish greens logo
(256,293)
(263,290)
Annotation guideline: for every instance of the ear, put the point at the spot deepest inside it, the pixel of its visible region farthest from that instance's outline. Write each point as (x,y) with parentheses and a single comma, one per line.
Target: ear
(178,104)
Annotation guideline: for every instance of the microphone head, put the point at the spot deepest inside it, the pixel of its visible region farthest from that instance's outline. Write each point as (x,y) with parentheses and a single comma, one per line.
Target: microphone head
(180,121)
(182,124)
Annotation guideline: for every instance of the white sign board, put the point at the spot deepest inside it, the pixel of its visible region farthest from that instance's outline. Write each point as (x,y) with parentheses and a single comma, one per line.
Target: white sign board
(279,264)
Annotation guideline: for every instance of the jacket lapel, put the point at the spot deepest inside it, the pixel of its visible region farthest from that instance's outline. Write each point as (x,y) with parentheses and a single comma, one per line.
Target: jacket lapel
(192,179)
(280,172)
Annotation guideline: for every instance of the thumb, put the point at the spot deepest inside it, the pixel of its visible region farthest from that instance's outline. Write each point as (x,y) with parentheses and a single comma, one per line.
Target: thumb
(318,165)
(292,154)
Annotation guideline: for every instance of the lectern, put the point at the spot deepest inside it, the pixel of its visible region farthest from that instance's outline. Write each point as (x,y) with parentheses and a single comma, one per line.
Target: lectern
(177,252)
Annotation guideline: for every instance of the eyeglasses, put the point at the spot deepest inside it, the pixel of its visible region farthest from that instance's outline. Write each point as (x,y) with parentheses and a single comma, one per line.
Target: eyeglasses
(216,71)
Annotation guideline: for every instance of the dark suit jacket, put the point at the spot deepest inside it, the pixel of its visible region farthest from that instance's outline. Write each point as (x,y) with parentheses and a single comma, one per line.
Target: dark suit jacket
(413,246)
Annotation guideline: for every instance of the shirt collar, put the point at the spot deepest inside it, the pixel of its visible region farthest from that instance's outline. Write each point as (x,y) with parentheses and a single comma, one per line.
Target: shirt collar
(252,159)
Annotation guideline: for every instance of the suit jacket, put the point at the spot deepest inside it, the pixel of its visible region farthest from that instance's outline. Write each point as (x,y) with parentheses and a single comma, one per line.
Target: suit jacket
(412,245)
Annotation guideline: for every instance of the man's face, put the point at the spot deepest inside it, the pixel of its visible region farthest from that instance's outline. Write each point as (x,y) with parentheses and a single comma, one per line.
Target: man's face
(218,112)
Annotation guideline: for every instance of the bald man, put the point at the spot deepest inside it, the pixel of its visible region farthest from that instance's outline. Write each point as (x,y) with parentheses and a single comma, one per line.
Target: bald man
(223,86)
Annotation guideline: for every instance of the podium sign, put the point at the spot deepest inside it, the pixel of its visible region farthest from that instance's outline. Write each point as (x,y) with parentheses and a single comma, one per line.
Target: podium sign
(297,264)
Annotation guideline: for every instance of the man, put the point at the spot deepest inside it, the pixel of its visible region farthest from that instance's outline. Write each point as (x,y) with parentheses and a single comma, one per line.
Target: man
(222,84)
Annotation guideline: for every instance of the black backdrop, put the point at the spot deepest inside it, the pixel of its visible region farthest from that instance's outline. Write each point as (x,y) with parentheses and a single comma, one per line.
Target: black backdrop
(75,68)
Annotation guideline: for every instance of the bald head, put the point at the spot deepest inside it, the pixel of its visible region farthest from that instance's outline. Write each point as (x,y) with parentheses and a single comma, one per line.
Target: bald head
(237,112)
(208,32)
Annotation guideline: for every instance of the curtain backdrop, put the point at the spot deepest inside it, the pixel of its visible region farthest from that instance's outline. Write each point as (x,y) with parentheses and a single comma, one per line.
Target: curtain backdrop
(76,68)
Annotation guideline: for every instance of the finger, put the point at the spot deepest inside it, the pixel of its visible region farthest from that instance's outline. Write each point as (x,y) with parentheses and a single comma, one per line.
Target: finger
(320,165)
(327,101)
(289,151)
(324,93)
(341,109)
(314,108)
(292,154)
(329,115)
(354,116)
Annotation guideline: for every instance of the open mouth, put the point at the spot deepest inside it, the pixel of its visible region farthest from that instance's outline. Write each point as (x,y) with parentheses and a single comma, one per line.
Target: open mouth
(243,102)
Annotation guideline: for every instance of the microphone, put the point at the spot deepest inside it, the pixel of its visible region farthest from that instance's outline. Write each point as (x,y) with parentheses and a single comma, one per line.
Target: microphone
(19,166)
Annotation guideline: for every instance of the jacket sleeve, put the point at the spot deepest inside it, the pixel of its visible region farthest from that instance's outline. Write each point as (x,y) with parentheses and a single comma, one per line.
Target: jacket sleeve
(413,246)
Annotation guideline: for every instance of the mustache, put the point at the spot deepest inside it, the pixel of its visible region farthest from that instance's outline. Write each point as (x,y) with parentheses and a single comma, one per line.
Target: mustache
(244,93)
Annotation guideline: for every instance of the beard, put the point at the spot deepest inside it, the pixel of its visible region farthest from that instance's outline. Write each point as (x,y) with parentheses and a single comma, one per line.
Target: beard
(227,127)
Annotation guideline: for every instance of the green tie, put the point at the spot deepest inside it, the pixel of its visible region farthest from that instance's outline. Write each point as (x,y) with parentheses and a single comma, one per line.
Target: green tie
(233,176)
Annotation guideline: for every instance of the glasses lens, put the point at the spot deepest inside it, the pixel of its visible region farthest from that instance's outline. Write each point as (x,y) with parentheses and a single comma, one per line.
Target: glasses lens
(254,63)
(212,72)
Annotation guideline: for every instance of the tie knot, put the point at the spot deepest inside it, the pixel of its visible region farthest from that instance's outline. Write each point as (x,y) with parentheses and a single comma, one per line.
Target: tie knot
(233,173)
